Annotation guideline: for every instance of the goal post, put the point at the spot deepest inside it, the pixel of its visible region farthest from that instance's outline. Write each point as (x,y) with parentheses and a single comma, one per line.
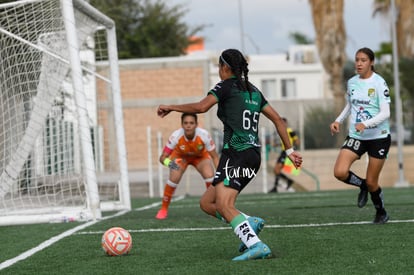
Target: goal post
(62,157)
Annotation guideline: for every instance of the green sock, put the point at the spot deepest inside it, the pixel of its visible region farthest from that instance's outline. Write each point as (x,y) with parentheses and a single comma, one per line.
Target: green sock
(218,216)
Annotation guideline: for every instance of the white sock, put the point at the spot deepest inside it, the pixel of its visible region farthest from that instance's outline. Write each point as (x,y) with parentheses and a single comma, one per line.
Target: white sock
(246,233)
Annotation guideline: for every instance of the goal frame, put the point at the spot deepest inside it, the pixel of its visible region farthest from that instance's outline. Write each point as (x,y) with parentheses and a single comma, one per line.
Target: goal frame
(94,205)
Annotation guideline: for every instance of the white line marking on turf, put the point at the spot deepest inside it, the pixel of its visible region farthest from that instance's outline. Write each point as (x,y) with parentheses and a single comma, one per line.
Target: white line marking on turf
(53,240)
(69,232)
(43,245)
(276,226)
(162,230)
(331,224)
(155,204)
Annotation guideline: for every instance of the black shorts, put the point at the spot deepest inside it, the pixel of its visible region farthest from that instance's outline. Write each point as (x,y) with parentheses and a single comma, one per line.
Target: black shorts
(237,169)
(376,148)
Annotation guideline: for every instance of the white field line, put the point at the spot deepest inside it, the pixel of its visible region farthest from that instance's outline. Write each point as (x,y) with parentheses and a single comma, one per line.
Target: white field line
(274,226)
(74,230)
(69,232)
(53,240)
(43,245)
(155,204)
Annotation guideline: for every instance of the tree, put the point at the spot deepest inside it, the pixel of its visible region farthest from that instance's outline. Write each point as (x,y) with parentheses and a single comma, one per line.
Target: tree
(148,28)
(404,25)
(329,26)
(385,49)
(328,21)
(405,46)
(316,119)
(300,38)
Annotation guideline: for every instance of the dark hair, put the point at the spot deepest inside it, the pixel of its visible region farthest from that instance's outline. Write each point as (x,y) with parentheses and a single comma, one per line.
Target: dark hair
(238,65)
(369,53)
(183,115)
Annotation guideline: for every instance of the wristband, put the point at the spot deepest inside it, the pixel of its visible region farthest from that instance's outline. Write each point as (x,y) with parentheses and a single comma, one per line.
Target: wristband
(166,161)
(289,151)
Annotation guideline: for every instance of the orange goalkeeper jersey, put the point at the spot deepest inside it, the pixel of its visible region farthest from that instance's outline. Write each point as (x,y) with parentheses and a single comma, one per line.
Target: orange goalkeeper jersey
(183,147)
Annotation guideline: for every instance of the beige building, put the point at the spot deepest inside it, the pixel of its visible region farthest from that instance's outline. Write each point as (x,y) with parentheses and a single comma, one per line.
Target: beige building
(147,83)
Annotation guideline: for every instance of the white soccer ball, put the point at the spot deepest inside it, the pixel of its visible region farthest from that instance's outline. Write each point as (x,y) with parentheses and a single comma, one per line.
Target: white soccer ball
(116,241)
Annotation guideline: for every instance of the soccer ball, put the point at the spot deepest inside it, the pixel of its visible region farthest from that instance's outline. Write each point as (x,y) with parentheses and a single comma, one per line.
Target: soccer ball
(116,241)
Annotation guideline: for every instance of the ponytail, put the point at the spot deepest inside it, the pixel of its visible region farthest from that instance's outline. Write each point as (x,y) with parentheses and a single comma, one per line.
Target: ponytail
(238,65)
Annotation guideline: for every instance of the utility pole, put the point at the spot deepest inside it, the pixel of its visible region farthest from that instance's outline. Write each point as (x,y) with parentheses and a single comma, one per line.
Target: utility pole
(401,180)
(241,27)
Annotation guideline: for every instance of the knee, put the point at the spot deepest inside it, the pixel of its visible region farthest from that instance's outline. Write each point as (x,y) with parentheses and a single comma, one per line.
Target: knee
(208,208)
(203,205)
(340,174)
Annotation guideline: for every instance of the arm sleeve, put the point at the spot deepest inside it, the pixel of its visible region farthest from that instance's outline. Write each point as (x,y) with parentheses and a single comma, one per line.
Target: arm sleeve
(173,140)
(345,113)
(383,114)
(167,150)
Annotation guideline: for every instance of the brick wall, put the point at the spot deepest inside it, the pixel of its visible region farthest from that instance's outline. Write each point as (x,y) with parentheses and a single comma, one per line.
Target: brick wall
(143,87)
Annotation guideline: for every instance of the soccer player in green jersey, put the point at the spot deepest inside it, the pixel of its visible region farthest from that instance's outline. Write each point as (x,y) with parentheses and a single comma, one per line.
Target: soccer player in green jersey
(239,106)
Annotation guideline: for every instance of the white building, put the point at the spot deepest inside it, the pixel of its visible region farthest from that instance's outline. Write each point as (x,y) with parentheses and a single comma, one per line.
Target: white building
(293,82)
(297,75)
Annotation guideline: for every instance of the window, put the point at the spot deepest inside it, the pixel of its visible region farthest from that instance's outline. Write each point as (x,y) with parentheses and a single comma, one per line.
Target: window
(288,88)
(269,88)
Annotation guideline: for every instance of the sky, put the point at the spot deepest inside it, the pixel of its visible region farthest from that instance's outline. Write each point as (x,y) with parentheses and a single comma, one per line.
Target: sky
(267,24)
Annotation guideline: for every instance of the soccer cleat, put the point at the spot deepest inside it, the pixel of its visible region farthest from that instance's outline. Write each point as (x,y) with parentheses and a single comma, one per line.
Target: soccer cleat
(289,184)
(362,198)
(257,251)
(162,214)
(381,218)
(273,190)
(257,224)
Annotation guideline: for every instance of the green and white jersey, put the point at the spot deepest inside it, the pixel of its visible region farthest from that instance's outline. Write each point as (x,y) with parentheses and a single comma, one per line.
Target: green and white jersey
(239,111)
(365,97)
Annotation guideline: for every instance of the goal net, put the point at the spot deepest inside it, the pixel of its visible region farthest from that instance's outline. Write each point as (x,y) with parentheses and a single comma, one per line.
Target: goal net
(62,155)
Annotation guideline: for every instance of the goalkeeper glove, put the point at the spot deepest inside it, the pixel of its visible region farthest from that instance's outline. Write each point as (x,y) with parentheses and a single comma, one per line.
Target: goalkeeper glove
(171,164)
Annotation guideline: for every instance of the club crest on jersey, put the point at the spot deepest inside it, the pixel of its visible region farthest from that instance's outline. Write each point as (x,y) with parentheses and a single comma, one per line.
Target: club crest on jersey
(200,147)
(371,92)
